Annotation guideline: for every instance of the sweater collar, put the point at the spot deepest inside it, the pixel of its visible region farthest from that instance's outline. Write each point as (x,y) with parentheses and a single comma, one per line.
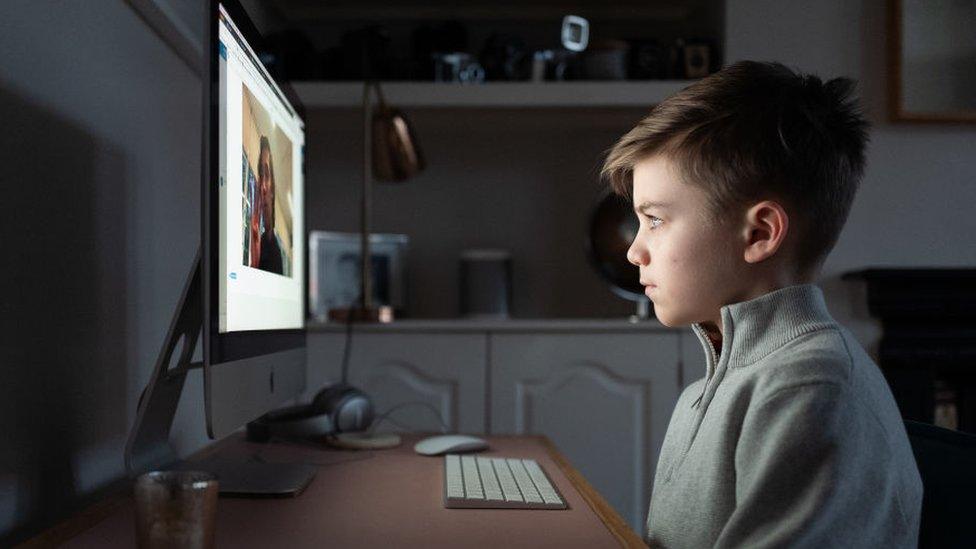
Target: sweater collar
(755,328)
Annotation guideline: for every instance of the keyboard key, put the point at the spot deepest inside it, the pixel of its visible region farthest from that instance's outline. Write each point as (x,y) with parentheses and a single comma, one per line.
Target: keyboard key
(509,488)
(546,489)
(493,492)
(452,477)
(472,482)
(528,489)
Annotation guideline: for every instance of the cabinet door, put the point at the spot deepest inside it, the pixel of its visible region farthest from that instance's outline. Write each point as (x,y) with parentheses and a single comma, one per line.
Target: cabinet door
(445,372)
(604,399)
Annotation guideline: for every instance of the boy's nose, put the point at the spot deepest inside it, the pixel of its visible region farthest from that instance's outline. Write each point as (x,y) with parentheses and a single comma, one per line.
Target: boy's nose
(636,255)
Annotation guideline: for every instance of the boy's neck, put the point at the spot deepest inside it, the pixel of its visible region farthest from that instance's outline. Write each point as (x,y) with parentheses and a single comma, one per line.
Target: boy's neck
(714,336)
(714,329)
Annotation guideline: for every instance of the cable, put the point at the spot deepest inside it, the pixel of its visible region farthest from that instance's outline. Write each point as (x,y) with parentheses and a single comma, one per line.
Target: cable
(347,350)
(384,415)
(401,426)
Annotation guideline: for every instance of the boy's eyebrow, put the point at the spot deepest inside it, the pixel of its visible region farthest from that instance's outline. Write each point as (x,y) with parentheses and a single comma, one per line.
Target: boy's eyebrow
(651,204)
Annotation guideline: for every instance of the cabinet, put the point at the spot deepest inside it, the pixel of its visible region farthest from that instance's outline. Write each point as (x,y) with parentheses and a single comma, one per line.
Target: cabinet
(444,371)
(604,399)
(603,391)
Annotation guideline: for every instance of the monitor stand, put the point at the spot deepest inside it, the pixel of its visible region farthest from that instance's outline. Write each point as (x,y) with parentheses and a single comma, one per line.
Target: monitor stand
(148,447)
(240,478)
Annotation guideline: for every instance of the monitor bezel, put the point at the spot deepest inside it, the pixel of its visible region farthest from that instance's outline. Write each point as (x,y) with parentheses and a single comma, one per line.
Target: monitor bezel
(231,346)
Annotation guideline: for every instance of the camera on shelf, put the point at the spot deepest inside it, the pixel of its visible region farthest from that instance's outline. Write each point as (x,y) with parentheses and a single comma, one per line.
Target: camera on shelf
(457,67)
(554,64)
(652,60)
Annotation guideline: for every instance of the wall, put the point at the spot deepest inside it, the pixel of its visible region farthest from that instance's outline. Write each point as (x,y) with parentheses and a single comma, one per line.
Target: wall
(101,184)
(515,179)
(914,207)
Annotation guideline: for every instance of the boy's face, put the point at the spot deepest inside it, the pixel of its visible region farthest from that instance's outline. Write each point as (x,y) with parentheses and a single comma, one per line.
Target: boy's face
(687,265)
(266,186)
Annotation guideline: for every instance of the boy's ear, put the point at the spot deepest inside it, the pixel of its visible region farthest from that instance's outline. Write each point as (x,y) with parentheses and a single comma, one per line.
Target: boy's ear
(766,228)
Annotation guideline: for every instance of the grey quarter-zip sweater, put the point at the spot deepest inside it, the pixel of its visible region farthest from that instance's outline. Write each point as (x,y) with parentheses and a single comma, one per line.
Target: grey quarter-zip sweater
(792,439)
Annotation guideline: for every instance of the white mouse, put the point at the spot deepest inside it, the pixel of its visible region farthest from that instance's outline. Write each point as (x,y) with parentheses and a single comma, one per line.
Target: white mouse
(443,444)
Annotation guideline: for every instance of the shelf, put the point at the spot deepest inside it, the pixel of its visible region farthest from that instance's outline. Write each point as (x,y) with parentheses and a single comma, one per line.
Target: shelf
(494,94)
(514,325)
(315,11)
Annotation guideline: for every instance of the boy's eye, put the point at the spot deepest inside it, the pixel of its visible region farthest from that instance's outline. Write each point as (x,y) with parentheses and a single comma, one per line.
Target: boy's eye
(655,221)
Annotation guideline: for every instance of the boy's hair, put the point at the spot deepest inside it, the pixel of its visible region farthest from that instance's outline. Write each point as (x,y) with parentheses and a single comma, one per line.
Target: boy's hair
(754,131)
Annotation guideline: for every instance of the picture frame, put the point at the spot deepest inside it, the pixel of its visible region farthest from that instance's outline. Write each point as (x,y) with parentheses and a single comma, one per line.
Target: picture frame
(335,267)
(930,75)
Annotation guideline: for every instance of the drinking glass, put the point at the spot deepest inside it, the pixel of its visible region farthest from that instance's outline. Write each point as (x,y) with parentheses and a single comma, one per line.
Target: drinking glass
(176,509)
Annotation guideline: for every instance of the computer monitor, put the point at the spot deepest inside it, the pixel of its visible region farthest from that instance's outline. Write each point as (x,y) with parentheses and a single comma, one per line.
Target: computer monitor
(246,287)
(253,230)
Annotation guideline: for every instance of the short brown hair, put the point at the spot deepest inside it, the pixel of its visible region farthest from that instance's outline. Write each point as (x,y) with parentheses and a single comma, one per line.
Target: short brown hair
(754,131)
(266,146)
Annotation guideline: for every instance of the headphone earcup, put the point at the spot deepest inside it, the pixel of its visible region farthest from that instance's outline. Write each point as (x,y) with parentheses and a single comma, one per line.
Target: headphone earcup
(349,408)
(355,413)
(325,400)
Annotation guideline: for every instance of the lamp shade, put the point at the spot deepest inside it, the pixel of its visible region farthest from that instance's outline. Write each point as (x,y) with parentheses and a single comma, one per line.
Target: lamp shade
(396,152)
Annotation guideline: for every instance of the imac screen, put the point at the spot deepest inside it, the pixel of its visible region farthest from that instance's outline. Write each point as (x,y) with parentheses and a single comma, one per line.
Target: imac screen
(261,142)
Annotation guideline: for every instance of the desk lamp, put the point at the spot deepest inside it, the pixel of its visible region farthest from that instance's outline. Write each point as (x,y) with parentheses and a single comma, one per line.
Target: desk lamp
(391,151)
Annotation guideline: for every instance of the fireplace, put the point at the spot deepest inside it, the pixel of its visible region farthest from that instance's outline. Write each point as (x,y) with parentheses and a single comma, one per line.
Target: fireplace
(928,346)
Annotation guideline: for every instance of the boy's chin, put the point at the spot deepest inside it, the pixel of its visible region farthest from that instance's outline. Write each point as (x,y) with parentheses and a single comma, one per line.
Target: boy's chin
(663,317)
(670,320)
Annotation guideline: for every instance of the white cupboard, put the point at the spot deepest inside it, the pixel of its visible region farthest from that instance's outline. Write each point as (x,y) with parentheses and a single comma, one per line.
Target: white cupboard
(601,390)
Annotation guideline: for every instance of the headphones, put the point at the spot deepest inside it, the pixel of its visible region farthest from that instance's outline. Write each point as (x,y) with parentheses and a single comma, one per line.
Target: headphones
(339,408)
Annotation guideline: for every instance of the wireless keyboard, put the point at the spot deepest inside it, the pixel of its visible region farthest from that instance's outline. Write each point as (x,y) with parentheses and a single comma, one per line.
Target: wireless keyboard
(498,483)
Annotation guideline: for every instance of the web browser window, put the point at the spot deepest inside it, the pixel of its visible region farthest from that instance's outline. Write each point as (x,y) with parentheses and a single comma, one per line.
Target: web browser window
(262,140)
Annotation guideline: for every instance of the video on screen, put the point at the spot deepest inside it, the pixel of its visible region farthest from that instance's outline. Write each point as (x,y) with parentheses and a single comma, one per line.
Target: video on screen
(266,190)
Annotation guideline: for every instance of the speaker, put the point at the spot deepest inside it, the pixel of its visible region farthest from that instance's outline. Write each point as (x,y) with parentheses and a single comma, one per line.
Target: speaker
(486,283)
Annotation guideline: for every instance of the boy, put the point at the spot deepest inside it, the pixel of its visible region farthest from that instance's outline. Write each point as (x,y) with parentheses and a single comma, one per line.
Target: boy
(742,183)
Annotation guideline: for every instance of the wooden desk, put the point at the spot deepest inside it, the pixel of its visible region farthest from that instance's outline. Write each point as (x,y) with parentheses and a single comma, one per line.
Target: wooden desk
(378,498)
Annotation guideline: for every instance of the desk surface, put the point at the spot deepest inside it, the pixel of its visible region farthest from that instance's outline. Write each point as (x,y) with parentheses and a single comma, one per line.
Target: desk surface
(385,498)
